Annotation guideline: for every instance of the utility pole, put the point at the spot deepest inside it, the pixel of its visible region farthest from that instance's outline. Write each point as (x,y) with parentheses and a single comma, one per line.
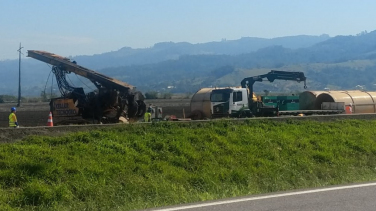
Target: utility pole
(19,76)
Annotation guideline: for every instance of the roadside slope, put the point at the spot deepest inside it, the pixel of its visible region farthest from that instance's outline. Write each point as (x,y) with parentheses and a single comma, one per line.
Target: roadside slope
(149,165)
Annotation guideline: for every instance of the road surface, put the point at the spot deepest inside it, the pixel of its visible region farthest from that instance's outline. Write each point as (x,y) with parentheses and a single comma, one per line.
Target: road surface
(359,197)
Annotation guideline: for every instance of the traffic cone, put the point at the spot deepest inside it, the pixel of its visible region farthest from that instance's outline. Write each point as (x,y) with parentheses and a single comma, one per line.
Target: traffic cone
(50,123)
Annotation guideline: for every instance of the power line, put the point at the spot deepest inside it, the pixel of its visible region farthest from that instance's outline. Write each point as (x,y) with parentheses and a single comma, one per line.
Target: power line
(19,76)
(45,86)
(84,83)
(52,84)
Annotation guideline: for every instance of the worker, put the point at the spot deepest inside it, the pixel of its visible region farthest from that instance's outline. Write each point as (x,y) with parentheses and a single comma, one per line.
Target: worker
(147,116)
(150,109)
(12,118)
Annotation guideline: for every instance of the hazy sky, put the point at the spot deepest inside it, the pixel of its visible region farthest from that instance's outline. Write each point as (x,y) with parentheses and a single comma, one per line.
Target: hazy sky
(70,28)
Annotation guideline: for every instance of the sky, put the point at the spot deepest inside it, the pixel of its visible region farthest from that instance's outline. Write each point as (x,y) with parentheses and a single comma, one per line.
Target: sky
(79,27)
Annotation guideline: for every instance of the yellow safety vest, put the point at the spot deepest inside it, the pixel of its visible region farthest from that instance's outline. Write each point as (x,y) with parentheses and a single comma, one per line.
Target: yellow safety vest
(147,117)
(12,120)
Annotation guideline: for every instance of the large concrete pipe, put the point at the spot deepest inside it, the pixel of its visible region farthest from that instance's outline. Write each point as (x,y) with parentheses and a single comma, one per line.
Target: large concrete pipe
(307,100)
(361,101)
(200,104)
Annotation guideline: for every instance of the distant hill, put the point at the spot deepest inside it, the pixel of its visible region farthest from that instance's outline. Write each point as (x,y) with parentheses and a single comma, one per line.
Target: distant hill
(329,58)
(172,51)
(187,67)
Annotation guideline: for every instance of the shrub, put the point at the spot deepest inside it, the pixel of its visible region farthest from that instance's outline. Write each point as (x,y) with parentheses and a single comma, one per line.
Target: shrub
(8,98)
(166,95)
(151,95)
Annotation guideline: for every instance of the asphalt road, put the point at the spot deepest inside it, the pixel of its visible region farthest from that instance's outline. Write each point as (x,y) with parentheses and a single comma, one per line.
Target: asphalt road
(359,197)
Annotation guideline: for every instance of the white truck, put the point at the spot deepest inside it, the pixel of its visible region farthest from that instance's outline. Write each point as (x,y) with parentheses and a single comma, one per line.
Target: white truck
(242,102)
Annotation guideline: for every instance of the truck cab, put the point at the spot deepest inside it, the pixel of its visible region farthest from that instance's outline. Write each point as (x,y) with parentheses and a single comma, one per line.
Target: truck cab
(228,102)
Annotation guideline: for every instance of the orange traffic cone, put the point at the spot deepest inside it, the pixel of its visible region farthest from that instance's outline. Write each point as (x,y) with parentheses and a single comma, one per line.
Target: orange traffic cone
(50,123)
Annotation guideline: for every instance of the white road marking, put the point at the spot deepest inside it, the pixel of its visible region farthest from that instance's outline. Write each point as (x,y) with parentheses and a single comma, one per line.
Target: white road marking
(266,197)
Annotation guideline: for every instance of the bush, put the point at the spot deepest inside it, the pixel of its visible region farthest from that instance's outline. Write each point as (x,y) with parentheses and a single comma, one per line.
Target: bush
(166,95)
(8,98)
(188,95)
(151,95)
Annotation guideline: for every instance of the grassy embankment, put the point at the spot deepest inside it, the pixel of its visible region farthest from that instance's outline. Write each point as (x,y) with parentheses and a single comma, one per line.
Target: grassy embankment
(140,166)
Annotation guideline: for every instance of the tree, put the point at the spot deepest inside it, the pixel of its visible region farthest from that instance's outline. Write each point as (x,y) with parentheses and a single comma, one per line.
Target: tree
(167,95)
(7,98)
(151,95)
(43,95)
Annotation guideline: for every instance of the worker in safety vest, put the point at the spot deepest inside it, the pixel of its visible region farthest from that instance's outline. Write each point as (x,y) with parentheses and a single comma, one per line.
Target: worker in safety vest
(12,118)
(147,116)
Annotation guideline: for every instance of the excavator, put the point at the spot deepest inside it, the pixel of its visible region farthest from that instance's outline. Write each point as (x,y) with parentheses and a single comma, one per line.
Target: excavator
(242,102)
(113,101)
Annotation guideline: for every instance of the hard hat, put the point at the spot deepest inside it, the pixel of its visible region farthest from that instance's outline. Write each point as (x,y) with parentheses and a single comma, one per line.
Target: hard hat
(13,109)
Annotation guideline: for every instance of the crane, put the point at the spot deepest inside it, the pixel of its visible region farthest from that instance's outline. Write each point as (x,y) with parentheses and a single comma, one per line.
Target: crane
(113,101)
(242,102)
(256,106)
(274,75)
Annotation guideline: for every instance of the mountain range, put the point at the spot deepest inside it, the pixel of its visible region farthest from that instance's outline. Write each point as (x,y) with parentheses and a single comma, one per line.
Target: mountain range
(341,62)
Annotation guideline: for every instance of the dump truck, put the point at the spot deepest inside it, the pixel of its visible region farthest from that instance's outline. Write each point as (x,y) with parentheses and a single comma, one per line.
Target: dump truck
(113,101)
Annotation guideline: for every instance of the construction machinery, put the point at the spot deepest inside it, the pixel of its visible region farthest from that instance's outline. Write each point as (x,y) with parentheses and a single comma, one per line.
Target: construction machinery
(242,102)
(113,101)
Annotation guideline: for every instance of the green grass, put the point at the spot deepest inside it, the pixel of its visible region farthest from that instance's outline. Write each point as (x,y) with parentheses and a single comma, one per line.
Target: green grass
(142,166)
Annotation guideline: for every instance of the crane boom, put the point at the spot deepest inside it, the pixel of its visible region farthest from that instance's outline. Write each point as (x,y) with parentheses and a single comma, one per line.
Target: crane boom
(65,63)
(113,101)
(273,75)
